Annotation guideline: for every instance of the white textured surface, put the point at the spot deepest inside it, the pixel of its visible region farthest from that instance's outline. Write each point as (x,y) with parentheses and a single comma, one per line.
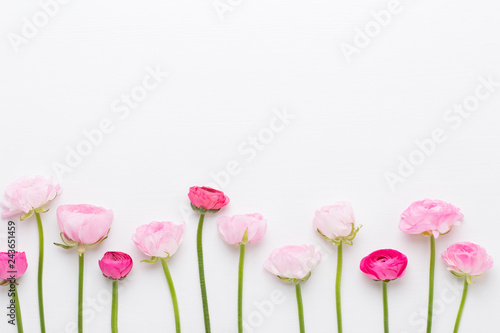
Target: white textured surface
(352,121)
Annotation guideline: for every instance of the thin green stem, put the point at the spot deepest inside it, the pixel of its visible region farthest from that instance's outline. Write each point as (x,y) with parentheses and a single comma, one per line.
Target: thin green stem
(114,308)
(173,294)
(461,310)
(19,319)
(386,307)
(337,288)
(431,283)
(300,307)
(201,269)
(240,288)
(40,272)
(80,292)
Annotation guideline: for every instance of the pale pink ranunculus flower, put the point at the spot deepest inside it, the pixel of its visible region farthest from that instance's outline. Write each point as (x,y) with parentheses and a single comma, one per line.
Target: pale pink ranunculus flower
(207,198)
(28,194)
(159,239)
(294,262)
(115,265)
(232,229)
(384,265)
(336,222)
(467,259)
(430,217)
(7,272)
(84,224)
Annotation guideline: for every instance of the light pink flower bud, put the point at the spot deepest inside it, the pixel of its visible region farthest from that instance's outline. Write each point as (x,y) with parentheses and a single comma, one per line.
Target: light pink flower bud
(467,259)
(26,195)
(336,223)
(293,263)
(159,239)
(84,224)
(242,229)
(207,199)
(430,217)
(115,265)
(13,265)
(384,265)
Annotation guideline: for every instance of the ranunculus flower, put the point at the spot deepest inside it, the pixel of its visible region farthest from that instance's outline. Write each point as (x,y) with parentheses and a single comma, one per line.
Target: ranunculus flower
(26,195)
(467,259)
(242,229)
(207,199)
(293,263)
(430,217)
(159,239)
(384,265)
(84,224)
(19,267)
(115,265)
(336,223)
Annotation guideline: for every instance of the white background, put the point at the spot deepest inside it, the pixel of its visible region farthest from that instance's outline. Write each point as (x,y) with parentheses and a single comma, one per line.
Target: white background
(352,123)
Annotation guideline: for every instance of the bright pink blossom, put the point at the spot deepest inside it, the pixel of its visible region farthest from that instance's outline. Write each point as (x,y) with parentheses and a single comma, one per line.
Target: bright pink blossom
(12,266)
(207,198)
(384,265)
(84,224)
(293,262)
(233,229)
(467,259)
(115,265)
(159,239)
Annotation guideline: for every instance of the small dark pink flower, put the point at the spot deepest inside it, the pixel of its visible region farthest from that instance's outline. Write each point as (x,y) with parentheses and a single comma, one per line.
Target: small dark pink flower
(207,198)
(384,265)
(115,265)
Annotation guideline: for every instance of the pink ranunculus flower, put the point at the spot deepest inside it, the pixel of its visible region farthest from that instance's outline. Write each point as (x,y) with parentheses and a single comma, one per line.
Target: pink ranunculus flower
(293,263)
(430,217)
(159,239)
(336,223)
(18,260)
(29,194)
(84,224)
(116,265)
(207,199)
(467,259)
(242,229)
(384,265)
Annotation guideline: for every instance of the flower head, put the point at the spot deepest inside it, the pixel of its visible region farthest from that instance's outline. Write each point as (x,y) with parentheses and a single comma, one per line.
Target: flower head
(159,239)
(115,265)
(29,194)
(293,263)
(384,265)
(205,199)
(242,229)
(430,217)
(336,223)
(467,259)
(12,265)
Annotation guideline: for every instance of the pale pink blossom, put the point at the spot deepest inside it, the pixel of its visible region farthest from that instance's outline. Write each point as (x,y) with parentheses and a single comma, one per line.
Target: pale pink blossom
(233,229)
(467,259)
(294,262)
(336,222)
(159,239)
(84,224)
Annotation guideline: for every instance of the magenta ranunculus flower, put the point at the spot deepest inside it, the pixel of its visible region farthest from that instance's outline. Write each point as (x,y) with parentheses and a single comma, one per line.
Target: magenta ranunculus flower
(29,194)
(116,265)
(159,239)
(336,223)
(12,265)
(242,229)
(384,265)
(430,217)
(207,199)
(467,259)
(293,263)
(84,224)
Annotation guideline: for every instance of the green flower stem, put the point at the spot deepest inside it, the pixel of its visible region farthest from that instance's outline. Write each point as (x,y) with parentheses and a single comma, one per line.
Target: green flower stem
(40,272)
(386,307)
(201,270)
(80,292)
(240,288)
(173,294)
(461,310)
(114,308)
(300,307)
(19,319)
(431,283)
(337,288)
